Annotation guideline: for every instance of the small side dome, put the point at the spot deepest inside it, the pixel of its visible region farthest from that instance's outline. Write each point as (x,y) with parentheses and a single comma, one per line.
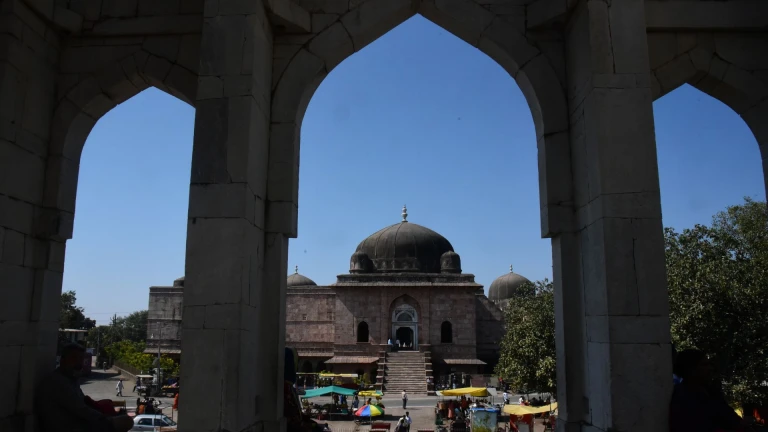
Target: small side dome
(450,262)
(179,282)
(297,280)
(360,262)
(505,286)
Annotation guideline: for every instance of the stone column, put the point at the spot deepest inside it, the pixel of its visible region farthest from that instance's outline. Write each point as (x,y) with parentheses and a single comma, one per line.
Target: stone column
(31,236)
(626,346)
(230,360)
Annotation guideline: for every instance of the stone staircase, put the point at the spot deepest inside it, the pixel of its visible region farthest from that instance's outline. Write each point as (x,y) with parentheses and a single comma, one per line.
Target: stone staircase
(405,370)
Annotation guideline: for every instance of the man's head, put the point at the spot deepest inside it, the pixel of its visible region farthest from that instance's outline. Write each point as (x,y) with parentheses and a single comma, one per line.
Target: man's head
(693,366)
(407,414)
(72,358)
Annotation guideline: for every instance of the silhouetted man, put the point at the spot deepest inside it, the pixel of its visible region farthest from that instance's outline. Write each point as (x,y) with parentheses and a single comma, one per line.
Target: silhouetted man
(60,404)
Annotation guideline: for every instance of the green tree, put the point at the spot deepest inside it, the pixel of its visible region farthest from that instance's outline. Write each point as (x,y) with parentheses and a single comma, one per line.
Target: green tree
(527,360)
(72,316)
(134,326)
(132,353)
(131,328)
(718,295)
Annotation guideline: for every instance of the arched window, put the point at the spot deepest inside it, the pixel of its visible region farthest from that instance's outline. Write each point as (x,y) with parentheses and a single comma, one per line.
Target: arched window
(446,332)
(362,332)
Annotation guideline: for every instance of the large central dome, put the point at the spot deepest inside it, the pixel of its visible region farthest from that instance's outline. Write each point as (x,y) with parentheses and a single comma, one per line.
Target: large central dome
(405,247)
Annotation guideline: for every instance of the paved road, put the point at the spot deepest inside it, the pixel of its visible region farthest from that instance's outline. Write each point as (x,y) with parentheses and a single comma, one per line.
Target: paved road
(101,385)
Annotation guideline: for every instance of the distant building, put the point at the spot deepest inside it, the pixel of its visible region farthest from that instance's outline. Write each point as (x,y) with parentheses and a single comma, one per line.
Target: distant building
(505,287)
(164,319)
(73,336)
(405,283)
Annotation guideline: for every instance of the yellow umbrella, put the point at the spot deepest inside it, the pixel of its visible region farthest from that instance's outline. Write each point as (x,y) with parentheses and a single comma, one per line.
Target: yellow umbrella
(520,410)
(467,391)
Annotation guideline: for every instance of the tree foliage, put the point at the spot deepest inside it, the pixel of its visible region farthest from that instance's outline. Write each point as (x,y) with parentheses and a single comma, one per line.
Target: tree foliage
(72,316)
(527,360)
(718,294)
(132,354)
(131,328)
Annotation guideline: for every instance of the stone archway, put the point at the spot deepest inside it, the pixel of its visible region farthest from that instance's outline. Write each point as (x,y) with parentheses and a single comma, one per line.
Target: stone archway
(583,67)
(301,67)
(718,65)
(405,326)
(96,88)
(405,319)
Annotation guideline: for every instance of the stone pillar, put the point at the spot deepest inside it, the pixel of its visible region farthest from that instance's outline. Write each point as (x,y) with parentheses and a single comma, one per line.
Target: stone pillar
(618,229)
(230,360)
(31,236)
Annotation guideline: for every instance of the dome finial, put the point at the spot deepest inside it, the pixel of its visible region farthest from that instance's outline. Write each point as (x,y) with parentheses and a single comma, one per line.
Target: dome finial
(296,269)
(405,214)
(510,268)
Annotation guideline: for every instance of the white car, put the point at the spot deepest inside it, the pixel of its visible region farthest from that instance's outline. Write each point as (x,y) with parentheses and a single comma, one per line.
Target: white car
(148,422)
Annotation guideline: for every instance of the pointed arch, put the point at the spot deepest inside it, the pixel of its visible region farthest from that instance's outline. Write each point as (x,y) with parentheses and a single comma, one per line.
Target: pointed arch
(296,79)
(713,69)
(90,89)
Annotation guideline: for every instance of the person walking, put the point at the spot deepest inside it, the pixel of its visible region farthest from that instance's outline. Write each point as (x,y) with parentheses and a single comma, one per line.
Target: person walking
(400,426)
(407,422)
(119,387)
(405,398)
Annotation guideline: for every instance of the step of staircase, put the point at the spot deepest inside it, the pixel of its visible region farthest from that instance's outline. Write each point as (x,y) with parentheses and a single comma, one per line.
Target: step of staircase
(404,370)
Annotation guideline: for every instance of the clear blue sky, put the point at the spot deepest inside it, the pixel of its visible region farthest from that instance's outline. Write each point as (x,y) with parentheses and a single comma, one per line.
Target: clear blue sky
(419,118)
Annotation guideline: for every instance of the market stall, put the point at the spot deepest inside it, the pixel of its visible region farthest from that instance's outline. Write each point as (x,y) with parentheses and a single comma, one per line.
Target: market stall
(483,419)
(521,416)
(327,410)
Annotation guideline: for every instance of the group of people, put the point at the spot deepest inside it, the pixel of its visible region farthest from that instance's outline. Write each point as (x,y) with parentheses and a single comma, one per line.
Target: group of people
(397,344)
(534,402)
(404,423)
(453,409)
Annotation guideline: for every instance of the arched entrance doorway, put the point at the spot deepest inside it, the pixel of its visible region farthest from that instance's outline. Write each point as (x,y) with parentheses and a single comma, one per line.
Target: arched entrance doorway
(405,326)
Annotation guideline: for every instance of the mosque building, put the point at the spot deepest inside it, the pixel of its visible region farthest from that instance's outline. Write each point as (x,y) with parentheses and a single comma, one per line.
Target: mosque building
(405,283)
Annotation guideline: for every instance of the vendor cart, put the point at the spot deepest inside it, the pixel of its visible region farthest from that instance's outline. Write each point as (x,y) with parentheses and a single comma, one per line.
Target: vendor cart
(483,419)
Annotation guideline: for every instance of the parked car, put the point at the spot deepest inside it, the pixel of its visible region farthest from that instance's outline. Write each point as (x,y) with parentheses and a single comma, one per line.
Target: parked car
(148,422)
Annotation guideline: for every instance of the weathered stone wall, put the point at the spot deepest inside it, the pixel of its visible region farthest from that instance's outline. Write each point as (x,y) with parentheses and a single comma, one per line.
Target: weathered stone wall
(354,306)
(457,306)
(309,317)
(333,316)
(32,235)
(164,316)
(490,329)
